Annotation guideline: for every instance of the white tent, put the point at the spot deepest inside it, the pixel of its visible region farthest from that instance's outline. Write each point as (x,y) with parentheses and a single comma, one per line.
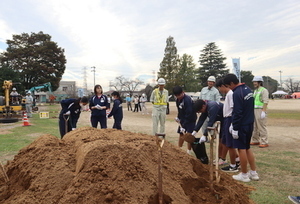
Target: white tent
(280,93)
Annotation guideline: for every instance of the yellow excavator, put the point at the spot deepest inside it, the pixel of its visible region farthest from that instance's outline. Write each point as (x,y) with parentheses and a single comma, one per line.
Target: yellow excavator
(10,111)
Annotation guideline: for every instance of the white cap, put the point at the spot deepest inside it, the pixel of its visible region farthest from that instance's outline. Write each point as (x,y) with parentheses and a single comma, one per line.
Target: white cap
(28,92)
(257,78)
(127,94)
(143,94)
(161,81)
(14,89)
(211,78)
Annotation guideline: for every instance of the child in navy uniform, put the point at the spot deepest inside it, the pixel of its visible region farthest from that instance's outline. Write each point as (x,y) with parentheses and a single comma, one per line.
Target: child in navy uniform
(71,109)
(117,110)
(98,105)
(242,126)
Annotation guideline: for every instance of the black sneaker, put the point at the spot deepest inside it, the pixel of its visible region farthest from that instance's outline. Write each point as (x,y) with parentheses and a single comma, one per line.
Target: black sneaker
(230,169)
(238,165)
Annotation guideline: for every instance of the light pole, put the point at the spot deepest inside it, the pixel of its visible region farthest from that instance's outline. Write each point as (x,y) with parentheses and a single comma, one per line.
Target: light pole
(94,70)
(280,78)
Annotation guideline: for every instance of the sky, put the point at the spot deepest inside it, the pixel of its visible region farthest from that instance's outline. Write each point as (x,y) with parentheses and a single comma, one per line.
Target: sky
(128,38)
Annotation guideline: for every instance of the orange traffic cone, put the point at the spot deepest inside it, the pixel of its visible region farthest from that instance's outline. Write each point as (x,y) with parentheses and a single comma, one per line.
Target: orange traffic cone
(25,120)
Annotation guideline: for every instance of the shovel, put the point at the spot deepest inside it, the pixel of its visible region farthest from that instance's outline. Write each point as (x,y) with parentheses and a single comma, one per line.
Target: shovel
(66,118)
(214,136)
(160,139)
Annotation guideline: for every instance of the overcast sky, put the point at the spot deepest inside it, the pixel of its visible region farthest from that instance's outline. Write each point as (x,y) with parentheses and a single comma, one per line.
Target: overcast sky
(128,37)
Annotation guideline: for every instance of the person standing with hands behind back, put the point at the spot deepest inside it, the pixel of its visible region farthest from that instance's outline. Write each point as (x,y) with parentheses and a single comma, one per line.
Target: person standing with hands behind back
(98,105)
(159,98)
(117,110)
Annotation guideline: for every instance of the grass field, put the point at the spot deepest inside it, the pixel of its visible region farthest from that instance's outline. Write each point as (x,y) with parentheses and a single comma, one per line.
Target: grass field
(279,168)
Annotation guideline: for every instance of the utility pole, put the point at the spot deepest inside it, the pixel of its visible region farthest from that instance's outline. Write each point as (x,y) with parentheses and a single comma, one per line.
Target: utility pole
(280,78)
(94,70)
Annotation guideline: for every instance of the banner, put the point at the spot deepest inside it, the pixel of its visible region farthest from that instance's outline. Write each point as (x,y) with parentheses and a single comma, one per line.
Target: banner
(236,67)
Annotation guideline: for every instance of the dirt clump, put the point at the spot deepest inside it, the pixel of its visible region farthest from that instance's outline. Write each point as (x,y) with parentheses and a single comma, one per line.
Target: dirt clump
(110,166)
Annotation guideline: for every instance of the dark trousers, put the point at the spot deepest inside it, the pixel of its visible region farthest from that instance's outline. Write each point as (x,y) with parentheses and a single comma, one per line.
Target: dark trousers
(200,152)
(117,124)
(101,119)
(129,106)
(136,107)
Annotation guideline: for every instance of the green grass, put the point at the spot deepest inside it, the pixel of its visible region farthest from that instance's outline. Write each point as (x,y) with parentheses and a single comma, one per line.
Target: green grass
(279,170)
(284,114)
(21,136)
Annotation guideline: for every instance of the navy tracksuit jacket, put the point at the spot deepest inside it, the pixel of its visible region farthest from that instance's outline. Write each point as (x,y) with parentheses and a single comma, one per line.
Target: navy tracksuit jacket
(117,113)
(74,108)
(99,115)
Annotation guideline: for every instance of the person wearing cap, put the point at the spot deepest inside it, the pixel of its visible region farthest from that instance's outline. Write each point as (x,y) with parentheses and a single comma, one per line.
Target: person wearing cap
(28,104)
(14,96)
(261,100)
(128,102)
(159,98)
(210,92)
(143,100)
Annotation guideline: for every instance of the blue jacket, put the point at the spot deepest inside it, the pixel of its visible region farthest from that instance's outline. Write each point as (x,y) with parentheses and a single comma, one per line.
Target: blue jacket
(74,108)
(117,110)
(243,108)
(214,111)
(186,114)
(102,101)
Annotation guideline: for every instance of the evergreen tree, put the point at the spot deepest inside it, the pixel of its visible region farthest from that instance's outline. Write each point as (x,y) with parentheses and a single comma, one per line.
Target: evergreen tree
(37,59)
(211,63)
(169,66)
(187,74)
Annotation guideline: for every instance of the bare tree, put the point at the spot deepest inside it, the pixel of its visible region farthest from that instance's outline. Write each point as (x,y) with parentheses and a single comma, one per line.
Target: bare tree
(123,84)
(292,85)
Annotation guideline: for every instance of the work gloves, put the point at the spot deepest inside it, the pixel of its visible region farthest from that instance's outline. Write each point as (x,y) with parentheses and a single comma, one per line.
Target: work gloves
(182,130)
(194,133)
(263,115)
(177,120)
(68,113)
(202,139)
(234,133)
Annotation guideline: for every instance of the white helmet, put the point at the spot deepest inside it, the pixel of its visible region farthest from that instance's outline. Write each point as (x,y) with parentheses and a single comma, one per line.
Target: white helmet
(257,78)
(143,95)
(211,78)
(161,81)
(14,89)
(28,92)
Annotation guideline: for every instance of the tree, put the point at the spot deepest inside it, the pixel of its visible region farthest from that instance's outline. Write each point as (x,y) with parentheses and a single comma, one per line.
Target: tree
(247,77)
(211,63)
(169,66)
(123,84)
(9,74)
(37,59)
(186,76)
(292,85)
(270,84)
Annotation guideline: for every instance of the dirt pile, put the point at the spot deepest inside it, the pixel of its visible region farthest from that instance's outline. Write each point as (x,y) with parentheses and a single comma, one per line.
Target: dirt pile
(110,166)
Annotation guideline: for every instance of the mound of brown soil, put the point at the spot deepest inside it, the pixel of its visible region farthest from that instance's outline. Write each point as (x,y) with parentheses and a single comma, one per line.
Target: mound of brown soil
(110,166)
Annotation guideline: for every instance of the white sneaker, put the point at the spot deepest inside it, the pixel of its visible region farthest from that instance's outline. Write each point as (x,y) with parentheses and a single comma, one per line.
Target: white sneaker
(241,177)
(221,162)
(189,152)
(253,176)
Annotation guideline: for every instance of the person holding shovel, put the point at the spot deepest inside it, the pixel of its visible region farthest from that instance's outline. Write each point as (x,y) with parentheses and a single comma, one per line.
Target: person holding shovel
(186,117)
(69,114)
